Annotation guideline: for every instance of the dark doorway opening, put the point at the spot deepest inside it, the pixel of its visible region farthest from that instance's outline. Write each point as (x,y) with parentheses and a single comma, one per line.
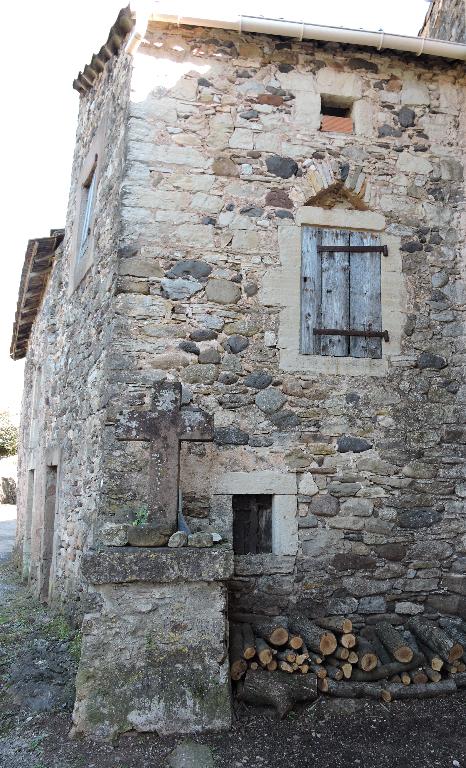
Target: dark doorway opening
(27,543)
(48,531)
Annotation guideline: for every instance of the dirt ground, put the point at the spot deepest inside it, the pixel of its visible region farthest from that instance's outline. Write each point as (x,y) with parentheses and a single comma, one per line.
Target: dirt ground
(38,657)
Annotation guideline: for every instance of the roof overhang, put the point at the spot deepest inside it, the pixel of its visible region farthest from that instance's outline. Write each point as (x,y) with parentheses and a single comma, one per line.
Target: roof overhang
(38,262)
(131,24)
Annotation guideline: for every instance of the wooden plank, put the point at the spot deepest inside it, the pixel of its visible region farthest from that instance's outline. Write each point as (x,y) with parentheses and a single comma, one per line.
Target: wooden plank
(253,533)
(365,296)
(252,524)
(264,537)
(335,292)
(310,291)
(238,527)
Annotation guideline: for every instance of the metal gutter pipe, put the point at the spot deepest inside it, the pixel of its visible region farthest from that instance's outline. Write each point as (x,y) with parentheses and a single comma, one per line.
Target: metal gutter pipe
(301,31)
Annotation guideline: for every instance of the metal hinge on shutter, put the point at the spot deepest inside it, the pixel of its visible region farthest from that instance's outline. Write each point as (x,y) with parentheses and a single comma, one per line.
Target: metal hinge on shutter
(351,332)
(353,249)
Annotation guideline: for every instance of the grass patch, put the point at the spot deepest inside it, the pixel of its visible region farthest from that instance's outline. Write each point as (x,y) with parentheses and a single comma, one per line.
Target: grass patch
(58,628)
(75,646)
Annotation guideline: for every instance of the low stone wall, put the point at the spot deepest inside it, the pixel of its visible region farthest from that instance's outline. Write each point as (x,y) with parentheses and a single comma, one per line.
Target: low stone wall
(155,657)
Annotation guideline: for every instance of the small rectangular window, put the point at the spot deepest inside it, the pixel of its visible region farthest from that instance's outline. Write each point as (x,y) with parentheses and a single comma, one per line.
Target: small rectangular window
(252,524)
(87,207)
(335,117)
(341,309)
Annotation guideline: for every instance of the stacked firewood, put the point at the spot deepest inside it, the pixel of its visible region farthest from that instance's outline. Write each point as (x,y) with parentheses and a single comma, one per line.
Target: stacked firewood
(422,660)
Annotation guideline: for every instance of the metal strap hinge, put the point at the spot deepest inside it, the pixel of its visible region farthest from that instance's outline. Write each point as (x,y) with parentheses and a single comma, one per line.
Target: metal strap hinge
(351,332)
(353,249)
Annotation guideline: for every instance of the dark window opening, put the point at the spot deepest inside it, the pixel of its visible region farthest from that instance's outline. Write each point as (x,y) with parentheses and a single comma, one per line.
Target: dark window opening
(252,524)
(336,117)
(334,111)
(28,525)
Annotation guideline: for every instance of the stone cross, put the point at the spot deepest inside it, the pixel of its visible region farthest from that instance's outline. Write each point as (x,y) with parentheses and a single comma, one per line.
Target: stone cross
(164,426)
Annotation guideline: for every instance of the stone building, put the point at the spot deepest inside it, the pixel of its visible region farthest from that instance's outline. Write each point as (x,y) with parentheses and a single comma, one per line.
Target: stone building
(259,289)
(446,20)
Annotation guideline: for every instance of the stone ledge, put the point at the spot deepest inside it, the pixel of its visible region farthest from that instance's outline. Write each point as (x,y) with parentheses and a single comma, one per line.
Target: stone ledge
(161,565)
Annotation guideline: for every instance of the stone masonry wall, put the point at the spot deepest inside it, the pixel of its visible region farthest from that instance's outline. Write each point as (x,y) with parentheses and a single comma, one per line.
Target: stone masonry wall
(223,149)
(446,20)
(64,421)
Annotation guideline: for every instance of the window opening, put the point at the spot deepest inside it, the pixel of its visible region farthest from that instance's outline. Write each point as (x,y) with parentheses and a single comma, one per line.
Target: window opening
(87,207)
(341,312)
(336,117)
(252,524)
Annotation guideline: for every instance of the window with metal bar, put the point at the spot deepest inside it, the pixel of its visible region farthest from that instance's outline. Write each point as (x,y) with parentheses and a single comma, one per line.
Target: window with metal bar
(341,309)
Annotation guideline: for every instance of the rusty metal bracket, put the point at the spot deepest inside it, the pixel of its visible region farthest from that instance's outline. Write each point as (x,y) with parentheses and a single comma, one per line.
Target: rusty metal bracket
(353,249)
(351,332)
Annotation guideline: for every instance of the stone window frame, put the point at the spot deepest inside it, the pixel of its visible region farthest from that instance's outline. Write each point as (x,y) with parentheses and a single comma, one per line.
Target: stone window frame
(91,167)
(283,489)
(282,288)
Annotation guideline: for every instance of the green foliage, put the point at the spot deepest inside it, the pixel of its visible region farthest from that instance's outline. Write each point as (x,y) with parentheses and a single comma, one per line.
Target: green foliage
(36,742)
(75,646)
(141,516)
(58,628)
(8,436)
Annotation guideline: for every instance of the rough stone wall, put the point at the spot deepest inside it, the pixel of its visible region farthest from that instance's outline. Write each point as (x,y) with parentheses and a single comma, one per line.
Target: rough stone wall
(69,345)
(446,20)
(223,149)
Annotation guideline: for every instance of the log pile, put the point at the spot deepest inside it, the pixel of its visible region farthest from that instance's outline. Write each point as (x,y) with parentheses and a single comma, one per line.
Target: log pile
(422,660)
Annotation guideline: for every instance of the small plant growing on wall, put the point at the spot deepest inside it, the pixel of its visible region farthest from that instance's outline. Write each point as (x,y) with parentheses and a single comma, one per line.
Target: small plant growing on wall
(141,516)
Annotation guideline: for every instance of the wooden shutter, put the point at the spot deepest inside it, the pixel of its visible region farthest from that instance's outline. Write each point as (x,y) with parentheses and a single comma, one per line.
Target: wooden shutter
(335,292)
(252,524)
(310,291)
(340,289)
(365,297)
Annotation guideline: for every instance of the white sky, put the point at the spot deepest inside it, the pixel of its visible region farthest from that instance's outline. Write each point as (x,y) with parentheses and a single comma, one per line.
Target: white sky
(43,47)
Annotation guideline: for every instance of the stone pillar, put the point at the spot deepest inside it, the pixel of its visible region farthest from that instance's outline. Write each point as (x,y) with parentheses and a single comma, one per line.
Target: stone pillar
(154,658)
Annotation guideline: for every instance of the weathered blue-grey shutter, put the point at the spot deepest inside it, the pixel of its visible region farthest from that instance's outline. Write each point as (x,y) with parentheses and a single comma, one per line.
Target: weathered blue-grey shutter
(335,292)
(310,291)
(365,297)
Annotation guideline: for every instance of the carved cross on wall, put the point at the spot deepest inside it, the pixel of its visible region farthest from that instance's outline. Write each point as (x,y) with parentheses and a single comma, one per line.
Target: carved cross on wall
(164,426)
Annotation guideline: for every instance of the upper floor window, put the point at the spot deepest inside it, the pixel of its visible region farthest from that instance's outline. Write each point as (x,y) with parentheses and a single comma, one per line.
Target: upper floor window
(86,210)
(336,116)
(341,308)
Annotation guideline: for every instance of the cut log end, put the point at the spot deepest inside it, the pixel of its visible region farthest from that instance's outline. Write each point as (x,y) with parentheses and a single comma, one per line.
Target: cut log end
(456,652)
(278,636)
(385,695)
(348,640)
(328,643)
(347,670)
(238,669)
(403,654)
(295,642)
